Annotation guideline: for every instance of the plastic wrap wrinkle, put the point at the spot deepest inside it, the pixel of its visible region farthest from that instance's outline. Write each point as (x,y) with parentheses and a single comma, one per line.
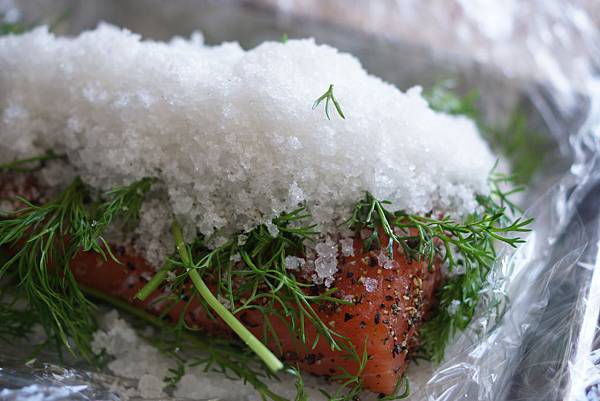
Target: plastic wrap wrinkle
(542,340)
(481,362)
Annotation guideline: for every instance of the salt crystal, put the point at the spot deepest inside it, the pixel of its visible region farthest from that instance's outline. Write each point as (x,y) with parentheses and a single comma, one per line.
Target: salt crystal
(241,239)
(453,307)
(348,298)
(326,261)
(224,301)
(272,228)
(294,263)
(150,386)
(384,260)
(347,246)
(370,284)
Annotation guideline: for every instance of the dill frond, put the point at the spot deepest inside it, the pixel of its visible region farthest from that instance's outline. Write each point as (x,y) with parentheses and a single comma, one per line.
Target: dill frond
(17,28)
(245,335)
(259,281)
(34,163)
(350,383)
(469,246)
(121,203)
(12,28)
(329,97)
(45,238)
(37,234)
(402,384)
(522,146)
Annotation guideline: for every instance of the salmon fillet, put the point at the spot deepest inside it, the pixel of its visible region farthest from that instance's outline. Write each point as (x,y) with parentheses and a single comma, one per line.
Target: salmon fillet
(388,304)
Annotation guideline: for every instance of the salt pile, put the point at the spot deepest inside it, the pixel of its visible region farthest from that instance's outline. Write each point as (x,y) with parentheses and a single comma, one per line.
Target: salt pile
(231,133)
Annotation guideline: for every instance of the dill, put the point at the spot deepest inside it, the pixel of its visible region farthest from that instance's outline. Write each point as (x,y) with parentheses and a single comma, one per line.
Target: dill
(45,238)
(468,246)
(403,384)
(258,281)
(245,335)
(522,146)
(299,384)
(17,28)
(12,28)
(350,383)
(442,97)
(123,203)
(329,97)
(249,272)
(39,233)
(34,163)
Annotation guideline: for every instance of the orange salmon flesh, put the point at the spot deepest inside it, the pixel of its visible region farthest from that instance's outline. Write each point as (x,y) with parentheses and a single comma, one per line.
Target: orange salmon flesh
(385,318)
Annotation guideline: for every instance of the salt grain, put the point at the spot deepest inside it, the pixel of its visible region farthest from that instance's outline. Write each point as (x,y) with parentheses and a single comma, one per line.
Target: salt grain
(370,284)
(453,307)
(347,246)
(326,261)
(294,263)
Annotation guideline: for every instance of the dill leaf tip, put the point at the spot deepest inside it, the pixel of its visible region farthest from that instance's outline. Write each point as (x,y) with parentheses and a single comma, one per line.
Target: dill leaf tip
(329,98)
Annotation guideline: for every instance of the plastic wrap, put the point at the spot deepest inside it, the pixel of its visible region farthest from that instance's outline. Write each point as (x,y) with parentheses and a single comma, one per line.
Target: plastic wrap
(542,341)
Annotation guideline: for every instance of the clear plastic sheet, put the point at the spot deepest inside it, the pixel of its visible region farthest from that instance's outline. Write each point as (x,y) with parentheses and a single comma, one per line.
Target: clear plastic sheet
(542,342)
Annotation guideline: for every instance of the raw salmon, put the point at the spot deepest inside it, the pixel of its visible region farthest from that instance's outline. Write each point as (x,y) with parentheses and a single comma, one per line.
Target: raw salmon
(387,308)
(388,303)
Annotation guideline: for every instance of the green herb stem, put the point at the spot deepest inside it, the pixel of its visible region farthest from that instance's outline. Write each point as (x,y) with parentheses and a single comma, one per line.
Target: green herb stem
(154,283)
(245,335)
(17,165)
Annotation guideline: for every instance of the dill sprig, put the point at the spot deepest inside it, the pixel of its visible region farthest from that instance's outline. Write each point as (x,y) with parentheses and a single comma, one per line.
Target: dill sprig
(34,163)
(123,203)
(249,272)
(329,97)
(38,234)
(12,28)
(523,146)
(467,249)
(245,335)
(351,385)
(45,238)
(17,28)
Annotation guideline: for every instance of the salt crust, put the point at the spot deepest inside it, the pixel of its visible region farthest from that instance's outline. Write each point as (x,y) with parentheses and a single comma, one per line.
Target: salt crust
(231,133)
